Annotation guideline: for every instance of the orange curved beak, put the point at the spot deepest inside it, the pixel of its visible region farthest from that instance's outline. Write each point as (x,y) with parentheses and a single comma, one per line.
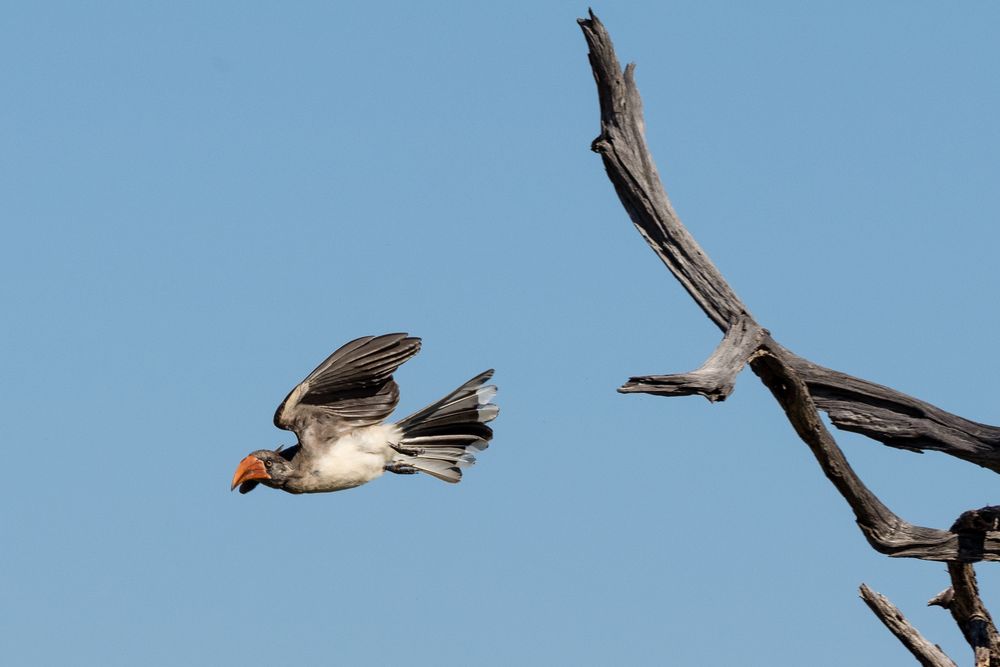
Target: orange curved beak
(250,468)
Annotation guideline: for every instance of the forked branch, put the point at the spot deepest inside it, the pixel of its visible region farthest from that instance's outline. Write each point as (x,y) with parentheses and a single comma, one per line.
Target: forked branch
(800,386)
(926,653)
(971,615)
(717,376)
(853,404)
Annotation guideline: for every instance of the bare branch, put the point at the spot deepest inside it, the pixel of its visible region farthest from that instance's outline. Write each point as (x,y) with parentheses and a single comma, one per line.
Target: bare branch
(799,385)
(926,653)
(971,615)
(853,404)
(942,599)
(885,531)
(895,419)
(716,377)
(622,145)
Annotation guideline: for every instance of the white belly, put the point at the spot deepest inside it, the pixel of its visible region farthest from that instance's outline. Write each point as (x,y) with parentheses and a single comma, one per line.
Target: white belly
(353,460)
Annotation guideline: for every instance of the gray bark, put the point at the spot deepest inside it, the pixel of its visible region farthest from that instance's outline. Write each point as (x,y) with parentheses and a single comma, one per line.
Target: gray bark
(716,377)
(926,653)
(971,615)
(853,404)
(801,387)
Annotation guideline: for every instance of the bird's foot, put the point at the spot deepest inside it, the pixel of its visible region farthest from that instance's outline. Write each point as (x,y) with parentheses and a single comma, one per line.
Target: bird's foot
(401,469)
(405,451)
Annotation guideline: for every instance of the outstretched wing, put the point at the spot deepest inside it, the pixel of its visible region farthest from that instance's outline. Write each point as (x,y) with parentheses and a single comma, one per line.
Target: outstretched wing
(351,389)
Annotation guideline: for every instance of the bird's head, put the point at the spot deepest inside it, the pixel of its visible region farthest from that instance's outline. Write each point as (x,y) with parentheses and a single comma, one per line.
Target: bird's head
(265,466)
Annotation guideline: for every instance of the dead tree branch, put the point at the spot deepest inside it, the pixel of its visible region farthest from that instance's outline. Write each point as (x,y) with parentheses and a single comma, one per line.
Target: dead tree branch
(853,404)
(801,387)
(895,419)
(967,608)
(715,379)
(926,653)
(885,531)
(971,615)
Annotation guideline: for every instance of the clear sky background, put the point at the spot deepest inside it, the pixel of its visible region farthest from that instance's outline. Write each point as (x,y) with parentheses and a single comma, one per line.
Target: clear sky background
(202,200)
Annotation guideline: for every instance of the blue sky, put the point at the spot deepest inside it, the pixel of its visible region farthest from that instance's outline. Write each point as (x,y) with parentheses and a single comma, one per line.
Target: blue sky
(202,200)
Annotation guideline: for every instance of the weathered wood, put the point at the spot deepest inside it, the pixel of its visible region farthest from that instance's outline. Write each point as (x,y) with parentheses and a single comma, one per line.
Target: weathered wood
(971,615)
(982,520)
(800,386)
(896,419)
(926,653)
(622,146)
(716,377)
(853,404)
(797,383)
(942,599)
(885,531)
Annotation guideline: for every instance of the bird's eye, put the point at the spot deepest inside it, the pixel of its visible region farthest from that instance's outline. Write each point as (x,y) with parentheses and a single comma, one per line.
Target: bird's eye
(268,464)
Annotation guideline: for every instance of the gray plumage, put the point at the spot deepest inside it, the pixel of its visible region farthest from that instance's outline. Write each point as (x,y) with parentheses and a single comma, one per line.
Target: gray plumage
(353,387)
(337,413)
(440,439)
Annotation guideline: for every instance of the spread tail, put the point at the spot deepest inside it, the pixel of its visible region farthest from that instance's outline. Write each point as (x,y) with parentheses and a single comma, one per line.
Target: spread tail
(442,438)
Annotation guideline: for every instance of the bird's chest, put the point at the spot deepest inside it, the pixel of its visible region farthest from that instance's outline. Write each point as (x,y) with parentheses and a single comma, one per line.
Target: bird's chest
(352,460)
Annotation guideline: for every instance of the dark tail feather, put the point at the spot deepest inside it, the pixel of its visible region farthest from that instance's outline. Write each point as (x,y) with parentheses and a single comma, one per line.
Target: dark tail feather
(440,439)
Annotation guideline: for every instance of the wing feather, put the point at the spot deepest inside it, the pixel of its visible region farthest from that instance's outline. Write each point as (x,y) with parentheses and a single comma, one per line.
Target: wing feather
(353,387)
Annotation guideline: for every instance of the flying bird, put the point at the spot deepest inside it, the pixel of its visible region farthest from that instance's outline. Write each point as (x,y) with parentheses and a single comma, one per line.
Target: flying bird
(338,414)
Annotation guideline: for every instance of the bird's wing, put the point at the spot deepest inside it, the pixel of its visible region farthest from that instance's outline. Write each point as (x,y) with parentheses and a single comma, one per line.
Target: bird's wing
(351,389)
